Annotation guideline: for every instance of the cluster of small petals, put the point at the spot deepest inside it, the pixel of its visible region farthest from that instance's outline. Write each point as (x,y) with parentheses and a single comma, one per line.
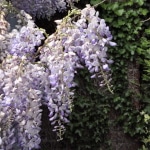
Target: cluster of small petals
(21,41)
(78,44)
(24,19)
(25,41)
(89,39)
(4,40)
(20,113)
(61,69)
(42,8)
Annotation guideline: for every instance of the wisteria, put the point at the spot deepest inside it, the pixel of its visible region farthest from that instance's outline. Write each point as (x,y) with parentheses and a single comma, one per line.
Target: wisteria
(25,41)
(4,26)
(39,70)
(21,90)
(89,39)
(61,70)
(20,103)
(42,8)
(75,45)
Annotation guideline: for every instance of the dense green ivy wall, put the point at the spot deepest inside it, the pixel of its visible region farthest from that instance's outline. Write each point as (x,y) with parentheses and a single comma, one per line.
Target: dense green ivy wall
(89,123)
(130,26)
(90,119)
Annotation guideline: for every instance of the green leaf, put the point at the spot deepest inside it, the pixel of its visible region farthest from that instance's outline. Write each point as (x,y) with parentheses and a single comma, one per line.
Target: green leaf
(136,20)
(94,2)
(132,52)
(147,100)
(121,35)
(147,31)
(121,22)
(119,12)
(97,139)
(114,6)
(140,2)
(139,50)
(78,132)
(122,51)
(147,109)
(143,11)
(109,19)
(129,3)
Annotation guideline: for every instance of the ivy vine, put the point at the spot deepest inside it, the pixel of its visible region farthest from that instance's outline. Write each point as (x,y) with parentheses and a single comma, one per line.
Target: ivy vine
(129,22)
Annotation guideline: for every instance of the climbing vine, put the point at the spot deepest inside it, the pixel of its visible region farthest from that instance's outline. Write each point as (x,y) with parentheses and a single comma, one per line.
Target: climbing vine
(129,22)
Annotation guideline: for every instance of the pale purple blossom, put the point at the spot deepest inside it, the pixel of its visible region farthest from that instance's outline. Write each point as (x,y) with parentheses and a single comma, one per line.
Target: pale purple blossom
(42,8)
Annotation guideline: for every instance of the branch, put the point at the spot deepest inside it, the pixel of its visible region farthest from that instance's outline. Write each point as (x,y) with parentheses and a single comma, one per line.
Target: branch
(146,20)
(99,3)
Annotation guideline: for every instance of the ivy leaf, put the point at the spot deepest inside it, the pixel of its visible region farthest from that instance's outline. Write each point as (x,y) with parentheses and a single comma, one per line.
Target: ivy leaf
(121,22)
(109,19)
(147,100)
(114,6)
(78,132)
(147,109)
(147,31)
(94,2)
(140,2)
(132,52)
(130,3)
(119,12)
(136,20)
(144,12)
(139,50)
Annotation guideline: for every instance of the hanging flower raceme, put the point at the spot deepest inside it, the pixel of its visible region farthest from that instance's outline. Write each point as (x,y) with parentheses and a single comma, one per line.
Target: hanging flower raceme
(75,45)
(20,103)
(89,38)
(61,70)
(21,90)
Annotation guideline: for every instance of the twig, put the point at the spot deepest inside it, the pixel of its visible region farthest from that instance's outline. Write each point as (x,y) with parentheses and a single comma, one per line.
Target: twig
(99,3)
(106,81)
(146,20)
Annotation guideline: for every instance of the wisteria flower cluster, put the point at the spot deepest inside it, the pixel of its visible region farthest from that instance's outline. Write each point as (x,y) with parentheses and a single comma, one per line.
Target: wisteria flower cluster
(75,45)
(89,39)
(61,69)
(20,112)
(32,74)
(25,41)
(4,26)
(20,90)
(42,8)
